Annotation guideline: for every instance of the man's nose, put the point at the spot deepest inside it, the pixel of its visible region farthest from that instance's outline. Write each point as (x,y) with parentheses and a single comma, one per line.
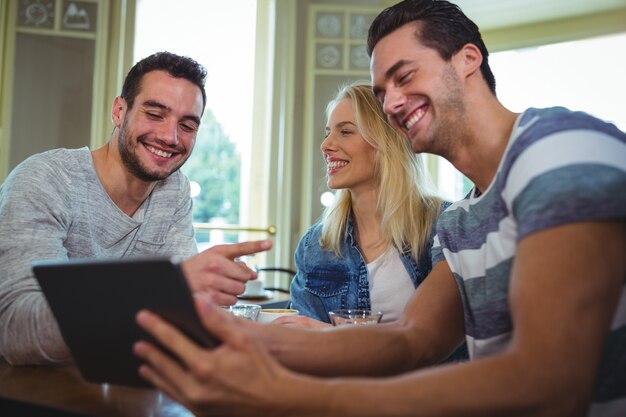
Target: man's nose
(394,101)
(169,133)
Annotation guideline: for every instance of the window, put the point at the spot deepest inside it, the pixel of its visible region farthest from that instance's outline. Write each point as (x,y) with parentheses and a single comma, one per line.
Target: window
(580,75)
(221,36)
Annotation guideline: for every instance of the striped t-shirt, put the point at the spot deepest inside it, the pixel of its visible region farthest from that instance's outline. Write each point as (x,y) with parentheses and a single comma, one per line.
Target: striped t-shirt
(559,167)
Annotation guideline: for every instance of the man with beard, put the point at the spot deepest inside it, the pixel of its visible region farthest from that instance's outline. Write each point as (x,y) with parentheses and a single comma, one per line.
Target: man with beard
(529,269)
(125,199)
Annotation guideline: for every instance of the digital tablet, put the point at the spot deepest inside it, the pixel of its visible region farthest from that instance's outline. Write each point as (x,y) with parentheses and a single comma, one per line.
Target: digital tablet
(95,302)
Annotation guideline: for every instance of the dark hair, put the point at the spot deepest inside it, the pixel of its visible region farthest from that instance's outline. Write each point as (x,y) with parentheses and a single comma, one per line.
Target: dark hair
(175,65)
(443,27)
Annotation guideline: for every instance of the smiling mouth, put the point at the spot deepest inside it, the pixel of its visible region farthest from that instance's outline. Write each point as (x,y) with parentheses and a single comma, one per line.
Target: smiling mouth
(158,152)
(415,117)
(336,164)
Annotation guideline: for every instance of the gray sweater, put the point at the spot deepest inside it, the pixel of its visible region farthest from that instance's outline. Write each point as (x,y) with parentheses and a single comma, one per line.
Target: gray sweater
(53,206)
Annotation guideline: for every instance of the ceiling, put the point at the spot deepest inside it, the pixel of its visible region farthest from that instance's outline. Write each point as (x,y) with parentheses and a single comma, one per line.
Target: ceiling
(491,14)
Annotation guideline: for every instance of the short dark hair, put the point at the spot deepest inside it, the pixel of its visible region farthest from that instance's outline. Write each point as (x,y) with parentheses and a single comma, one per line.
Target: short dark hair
(175,65)
(443,27)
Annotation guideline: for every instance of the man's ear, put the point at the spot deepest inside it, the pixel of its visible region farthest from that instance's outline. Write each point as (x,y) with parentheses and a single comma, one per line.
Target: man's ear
(470,59)
(118,110)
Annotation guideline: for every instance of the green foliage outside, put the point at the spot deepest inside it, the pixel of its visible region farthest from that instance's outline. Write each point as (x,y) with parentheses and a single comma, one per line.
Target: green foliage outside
(215,166)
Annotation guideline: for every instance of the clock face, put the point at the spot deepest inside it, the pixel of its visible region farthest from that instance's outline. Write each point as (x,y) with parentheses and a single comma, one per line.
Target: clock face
(329,25)
(359,25)
(36,13)
(359,58)
(328,56)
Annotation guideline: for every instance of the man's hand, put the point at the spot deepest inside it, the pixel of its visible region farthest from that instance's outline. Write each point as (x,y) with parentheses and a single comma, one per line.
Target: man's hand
(237,378)
(216,272)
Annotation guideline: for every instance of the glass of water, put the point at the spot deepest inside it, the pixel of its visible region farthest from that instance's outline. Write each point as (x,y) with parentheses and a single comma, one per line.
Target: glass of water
(354,316)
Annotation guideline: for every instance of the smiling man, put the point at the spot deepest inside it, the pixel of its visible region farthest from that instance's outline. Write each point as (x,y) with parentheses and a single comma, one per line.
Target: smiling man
(529,269)
(127,198)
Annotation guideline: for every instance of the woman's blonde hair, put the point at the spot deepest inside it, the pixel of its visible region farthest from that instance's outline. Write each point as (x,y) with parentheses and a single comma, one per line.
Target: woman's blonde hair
(406,200)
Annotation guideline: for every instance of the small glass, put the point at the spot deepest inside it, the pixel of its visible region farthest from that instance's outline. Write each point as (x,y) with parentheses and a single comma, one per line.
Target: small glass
(354,316)
(246,311)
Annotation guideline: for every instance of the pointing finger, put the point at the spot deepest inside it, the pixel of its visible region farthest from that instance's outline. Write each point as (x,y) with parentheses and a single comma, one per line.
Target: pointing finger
(236,250)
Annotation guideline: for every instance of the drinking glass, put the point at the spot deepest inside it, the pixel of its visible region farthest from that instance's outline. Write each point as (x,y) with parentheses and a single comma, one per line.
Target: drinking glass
(247,311)
(354,316)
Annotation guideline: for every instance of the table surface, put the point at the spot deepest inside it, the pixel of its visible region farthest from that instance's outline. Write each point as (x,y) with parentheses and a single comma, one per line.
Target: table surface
(60,390)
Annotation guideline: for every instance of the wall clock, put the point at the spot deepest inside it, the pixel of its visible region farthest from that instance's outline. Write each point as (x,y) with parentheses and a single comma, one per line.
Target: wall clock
(36,13)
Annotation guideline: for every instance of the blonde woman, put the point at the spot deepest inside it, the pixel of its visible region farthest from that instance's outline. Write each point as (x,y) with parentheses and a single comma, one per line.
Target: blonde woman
(371,248)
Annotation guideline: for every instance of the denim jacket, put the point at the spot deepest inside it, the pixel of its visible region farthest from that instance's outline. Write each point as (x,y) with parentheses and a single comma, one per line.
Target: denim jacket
(326,282)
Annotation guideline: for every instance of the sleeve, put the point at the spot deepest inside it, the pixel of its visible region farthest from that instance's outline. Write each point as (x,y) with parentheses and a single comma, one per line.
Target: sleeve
(436,252)
(34,215)
(303,300)
(568,177)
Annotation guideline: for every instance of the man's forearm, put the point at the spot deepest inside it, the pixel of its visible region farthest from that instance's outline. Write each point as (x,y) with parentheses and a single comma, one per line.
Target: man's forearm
(341,351)
(496,386)
(382,349)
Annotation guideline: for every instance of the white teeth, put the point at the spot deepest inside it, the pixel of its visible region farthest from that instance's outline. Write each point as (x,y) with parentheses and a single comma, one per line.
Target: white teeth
(415,118)
(158,152)
(336,164)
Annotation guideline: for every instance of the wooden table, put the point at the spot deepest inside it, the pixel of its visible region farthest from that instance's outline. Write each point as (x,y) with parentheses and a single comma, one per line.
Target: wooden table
(53,391)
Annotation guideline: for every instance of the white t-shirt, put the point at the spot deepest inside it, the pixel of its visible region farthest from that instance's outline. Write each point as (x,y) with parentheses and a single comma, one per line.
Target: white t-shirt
(390,285)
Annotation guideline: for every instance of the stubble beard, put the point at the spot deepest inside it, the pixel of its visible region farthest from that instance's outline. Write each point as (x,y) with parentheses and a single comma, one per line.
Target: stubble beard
(453,116)
(128,153)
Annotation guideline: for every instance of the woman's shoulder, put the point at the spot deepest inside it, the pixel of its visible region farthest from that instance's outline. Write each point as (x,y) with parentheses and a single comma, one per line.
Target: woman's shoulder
(312,235)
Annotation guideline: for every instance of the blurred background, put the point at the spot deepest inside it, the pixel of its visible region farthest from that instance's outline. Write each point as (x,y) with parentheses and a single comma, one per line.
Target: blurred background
(257,170)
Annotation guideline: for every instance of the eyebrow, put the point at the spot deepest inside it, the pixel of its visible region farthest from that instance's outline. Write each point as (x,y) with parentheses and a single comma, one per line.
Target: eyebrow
(395,67)
(158,105)
(390,73)
(341,124)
